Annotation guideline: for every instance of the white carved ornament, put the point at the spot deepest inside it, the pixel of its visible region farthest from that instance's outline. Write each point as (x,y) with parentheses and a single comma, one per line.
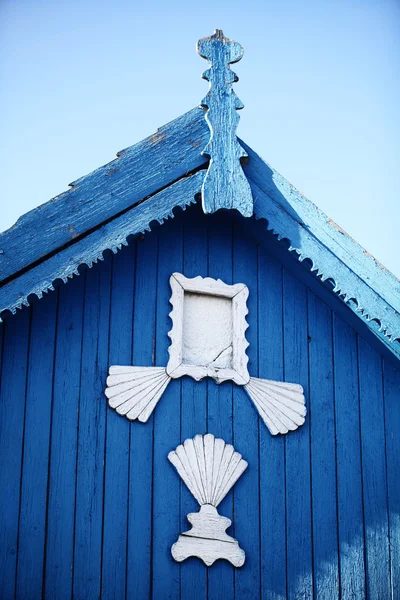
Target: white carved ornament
(209,467)
(207,340)
(208,330)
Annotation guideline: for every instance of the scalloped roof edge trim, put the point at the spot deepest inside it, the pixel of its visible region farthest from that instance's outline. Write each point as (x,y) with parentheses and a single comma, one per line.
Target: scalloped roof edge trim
(64,265)
(358,279)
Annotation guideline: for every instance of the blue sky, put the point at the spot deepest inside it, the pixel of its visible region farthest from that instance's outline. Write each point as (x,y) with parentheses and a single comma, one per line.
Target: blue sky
(320,82)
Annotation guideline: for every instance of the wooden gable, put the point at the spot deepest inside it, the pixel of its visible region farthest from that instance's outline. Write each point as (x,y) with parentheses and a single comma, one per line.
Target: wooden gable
(92,504)
(124,198)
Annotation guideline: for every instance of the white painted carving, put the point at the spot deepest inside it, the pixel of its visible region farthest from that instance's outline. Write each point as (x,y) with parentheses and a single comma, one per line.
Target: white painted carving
(135,391)
(209,467)
(280,405)
(207,340)
(208,329)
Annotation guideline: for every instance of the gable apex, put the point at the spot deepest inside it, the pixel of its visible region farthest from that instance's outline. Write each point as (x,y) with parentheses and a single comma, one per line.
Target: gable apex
(145,183)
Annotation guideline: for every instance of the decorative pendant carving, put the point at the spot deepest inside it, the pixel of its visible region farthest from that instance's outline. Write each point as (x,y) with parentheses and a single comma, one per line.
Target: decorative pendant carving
(209,467)
(225,184)
(207,340)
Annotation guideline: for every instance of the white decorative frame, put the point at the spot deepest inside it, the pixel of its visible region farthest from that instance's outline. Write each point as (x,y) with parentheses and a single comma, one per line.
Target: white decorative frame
(204,290)
(207,340)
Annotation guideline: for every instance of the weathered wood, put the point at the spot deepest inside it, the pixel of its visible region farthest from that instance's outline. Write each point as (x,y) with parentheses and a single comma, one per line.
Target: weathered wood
(272,504)
(193,401)
(359,280)
(225,185)
(246,427)
(391,388)
(12,409)
(207,286)
(348,457)
(116,467)
(207,340)
(220,397)
(271,450)
(35,468)
(278,250)
(141,438)
(280,405)
(89,250)
(210,468)
(363,283)
(137,392)
(207,539)
(169,154)
(166,486)
(63,447)
(323,463)
(297,447)
(218,350)
(91,435)
(376,523)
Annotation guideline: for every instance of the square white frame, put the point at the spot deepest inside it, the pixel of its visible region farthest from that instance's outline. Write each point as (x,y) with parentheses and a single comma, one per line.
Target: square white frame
(238,294)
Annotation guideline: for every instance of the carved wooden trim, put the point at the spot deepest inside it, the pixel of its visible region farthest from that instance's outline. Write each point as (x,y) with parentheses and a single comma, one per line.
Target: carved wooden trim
(209,467)
(235,351)
(225,185)
(281,405)
(220,354)
(135,391)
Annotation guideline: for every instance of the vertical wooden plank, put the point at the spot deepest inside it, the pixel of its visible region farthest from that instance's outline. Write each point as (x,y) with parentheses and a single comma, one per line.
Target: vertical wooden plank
(1,346)
(298,471)
(12,410)
(374,472)
(221,580)
(167,431)
(246,430)
(91,436)
(117,431)
(391,384)
(36,448)
(322,420)
(141,434)
(63,447)
(347,416)
(194,399)
(272,449)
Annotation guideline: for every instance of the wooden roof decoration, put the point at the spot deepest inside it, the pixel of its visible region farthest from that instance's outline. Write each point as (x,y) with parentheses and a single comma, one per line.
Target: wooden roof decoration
(225,185)
(196,155)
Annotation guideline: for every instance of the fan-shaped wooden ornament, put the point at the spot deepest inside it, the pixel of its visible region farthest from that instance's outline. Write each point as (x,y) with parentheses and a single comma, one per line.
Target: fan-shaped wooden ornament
(280,405)
(209,467)
(135,391)
(207,340)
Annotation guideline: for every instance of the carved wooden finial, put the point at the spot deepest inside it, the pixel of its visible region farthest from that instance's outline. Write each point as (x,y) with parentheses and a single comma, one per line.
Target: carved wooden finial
(225,184)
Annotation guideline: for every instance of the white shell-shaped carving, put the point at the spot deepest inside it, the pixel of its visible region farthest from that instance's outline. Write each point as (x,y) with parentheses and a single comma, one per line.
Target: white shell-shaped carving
(208,466)
(280,405)
(135,391)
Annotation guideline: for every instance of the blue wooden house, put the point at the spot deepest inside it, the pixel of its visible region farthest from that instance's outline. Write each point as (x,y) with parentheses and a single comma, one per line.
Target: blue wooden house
(90,505)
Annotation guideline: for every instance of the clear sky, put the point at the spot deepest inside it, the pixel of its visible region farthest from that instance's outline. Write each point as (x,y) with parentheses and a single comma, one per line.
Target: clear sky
(320,81)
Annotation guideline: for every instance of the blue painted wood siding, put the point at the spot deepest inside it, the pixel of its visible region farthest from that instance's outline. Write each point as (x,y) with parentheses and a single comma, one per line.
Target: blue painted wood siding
(90,506)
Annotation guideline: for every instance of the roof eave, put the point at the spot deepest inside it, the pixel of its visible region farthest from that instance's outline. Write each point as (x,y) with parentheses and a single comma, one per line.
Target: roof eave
(144,184)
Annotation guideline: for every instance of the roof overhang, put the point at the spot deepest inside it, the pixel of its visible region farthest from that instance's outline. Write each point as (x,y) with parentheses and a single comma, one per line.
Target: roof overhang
(144,184)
